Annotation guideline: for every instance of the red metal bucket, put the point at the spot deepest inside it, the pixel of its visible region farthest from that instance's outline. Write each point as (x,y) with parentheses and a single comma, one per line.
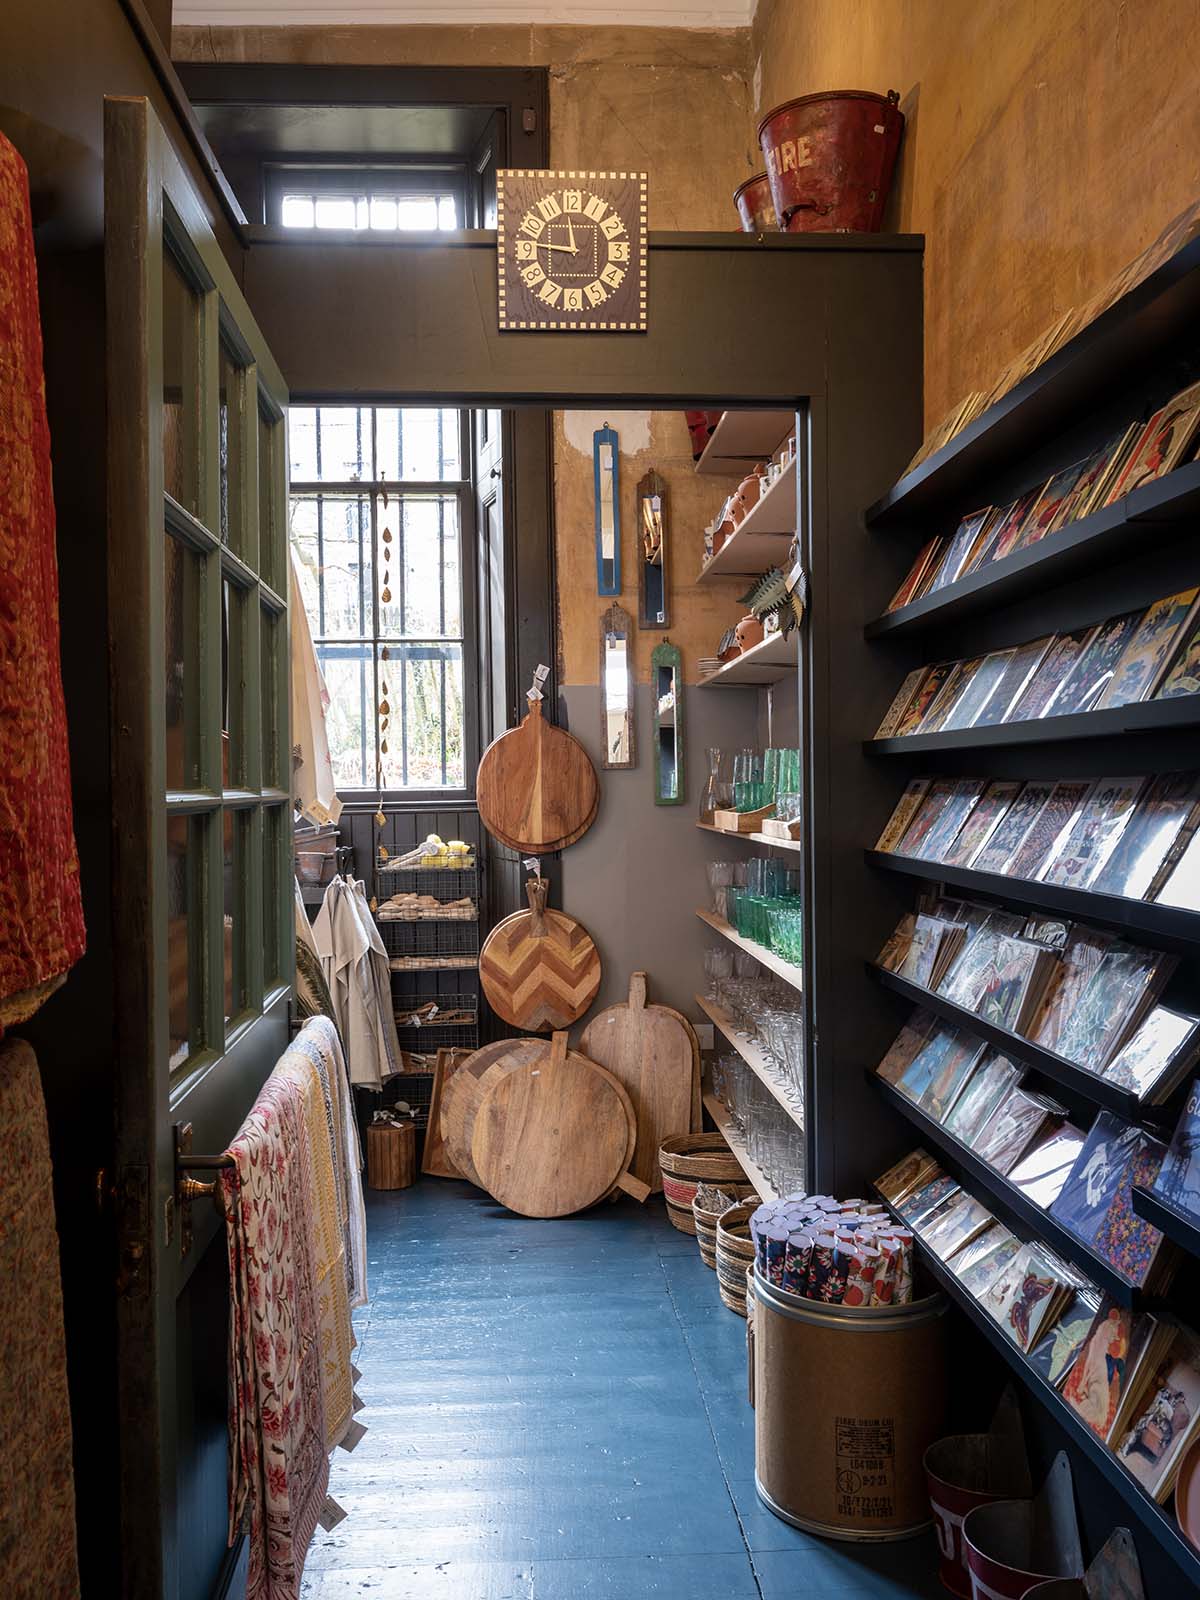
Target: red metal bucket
(755,205)
(830,159)
(962,1472)
(1007,1553)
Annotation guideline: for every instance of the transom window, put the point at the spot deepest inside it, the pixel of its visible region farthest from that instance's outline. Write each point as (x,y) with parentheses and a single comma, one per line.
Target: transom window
(367,199)
(378,502)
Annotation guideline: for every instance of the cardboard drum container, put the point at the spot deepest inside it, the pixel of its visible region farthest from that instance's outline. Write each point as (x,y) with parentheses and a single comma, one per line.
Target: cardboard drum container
(847,1400)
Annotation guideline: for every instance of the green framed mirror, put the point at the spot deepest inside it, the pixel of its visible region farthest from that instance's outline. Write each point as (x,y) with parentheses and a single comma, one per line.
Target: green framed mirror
(666,689)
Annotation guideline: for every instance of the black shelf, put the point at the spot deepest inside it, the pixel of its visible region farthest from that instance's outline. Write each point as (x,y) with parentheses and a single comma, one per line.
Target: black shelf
(1156,1520)
(1023,1215)
(1014,1045)
(1159,310)
(1181,1226)
(1118,530)
(1170,924)
(1148,716)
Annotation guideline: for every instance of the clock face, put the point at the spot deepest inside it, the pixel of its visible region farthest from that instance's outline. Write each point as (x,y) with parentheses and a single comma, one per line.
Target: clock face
(571,248)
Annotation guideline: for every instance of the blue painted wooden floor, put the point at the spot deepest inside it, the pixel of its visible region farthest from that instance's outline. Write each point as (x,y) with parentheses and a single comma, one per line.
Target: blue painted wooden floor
(557,1412)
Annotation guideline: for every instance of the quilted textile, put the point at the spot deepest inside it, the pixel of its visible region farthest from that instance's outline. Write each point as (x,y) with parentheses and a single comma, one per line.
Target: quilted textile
(41,917)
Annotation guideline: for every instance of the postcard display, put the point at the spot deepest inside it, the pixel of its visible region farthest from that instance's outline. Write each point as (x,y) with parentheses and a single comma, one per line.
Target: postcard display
(1037,968)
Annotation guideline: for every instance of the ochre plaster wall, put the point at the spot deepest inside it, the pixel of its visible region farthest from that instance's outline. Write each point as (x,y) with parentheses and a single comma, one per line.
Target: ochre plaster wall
(1048,141)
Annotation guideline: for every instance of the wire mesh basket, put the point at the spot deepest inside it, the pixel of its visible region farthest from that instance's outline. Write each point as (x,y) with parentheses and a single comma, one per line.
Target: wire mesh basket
(414,1087)
(430,938)
(444,883)
(440,1022)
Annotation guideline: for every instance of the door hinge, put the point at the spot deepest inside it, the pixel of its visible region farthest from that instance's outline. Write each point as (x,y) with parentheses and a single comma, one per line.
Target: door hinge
(133,1231)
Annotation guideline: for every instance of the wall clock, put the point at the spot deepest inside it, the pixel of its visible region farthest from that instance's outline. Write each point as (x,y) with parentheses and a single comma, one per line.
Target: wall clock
(571,249)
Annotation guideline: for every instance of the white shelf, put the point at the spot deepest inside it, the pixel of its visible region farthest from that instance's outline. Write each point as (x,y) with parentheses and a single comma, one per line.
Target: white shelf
(743,437)
(768,661)
(755,1057)
(783,969)
(763,537)
(755,838)
(724,1124)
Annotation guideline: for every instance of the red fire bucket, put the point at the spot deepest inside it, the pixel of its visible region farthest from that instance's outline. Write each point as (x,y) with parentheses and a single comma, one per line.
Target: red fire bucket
(1057,1589)
(830,159)
(1007,1551)
(962,1472)
(755,206)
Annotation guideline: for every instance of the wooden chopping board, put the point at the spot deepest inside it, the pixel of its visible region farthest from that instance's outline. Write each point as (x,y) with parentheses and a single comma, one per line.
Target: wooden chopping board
(539,969)
(435,1163)
(536,787)
(650,1050)
(552,1136)
(461,1096)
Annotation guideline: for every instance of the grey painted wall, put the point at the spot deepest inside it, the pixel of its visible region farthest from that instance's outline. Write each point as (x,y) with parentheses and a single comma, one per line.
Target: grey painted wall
(637,876)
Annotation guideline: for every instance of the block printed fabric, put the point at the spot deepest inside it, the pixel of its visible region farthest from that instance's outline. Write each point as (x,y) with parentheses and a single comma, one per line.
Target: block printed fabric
(41,916)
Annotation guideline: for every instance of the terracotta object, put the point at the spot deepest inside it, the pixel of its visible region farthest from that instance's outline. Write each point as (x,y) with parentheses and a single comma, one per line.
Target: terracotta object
(748,633)
(745,496)
(830,159)
(755,207)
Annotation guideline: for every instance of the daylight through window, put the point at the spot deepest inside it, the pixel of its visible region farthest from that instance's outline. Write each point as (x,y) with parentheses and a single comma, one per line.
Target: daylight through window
(377,501)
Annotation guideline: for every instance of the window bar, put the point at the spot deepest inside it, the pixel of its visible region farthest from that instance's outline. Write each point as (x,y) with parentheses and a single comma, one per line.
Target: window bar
(441,563)
(323,626)
(442,664)
(404,715)
(402,561)
(373,513)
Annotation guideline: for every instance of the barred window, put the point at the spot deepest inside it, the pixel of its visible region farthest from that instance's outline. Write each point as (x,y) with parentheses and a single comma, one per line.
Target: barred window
(378,501)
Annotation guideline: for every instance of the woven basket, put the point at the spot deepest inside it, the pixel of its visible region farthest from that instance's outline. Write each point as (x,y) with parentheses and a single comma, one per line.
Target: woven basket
(706,1222)
(689,1160)
(735,1252)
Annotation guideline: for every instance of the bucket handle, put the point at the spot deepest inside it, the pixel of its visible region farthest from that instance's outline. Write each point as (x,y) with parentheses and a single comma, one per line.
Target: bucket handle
(805,205)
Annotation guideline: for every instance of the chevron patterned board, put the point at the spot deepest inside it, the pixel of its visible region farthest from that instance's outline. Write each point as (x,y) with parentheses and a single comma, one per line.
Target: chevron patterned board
(543,979)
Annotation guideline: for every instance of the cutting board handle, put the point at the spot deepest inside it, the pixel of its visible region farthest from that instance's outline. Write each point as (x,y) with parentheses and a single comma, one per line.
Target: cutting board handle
(536,890)
(637,992)
(633,1187)
(558,1049)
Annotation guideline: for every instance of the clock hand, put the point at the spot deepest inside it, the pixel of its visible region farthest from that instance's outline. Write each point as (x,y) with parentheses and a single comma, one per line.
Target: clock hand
(571,234)
(570,249)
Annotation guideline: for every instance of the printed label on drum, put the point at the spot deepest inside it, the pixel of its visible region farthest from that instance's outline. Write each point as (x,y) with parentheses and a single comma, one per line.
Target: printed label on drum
(865,1466)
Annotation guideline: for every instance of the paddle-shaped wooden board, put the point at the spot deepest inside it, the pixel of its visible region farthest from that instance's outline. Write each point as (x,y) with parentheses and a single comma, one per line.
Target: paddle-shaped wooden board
(649,1049)
(435,1163)
(461,1096)
(552,1136)
(536,787)
(539,969)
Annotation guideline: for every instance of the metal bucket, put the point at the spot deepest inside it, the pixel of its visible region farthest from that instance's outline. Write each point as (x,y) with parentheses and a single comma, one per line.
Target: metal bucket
(962,1472)
(847,1399)
(1057,1589)
(1007,1552)
(830,159)
(755,207)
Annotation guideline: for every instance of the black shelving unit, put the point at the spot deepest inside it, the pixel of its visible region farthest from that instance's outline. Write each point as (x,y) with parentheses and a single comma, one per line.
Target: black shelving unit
(1085,1085)
(1168,925)
(1154,317)
(1146,718)
(1025,1218)
(1181,1226)
(1159,511)
(1157,1521)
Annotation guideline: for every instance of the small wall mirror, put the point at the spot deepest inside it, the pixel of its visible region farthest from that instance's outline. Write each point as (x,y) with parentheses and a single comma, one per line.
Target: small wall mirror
(605,464)
(653,605)
(616,689)
(666,687)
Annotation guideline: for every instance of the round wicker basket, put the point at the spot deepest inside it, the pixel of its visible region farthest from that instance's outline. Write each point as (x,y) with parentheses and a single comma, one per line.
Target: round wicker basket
(706,1221)
(735,1252)
(689,1160)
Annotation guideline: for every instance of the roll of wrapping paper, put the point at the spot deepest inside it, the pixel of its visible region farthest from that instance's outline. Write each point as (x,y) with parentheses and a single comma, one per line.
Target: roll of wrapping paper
(860,1279)
(820,1266)
(904,1274)
(886,1272)
(797,1255)
(844,1249)
(773,1253)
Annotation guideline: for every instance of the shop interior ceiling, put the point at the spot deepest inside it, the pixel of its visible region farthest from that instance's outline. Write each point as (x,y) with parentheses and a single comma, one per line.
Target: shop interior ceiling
(482,13)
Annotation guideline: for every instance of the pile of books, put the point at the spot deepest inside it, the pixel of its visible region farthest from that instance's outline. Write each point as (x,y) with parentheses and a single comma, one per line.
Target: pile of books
(1132,1378)
(1082,993)
(1135,456)
(1152,652)
(1137,838)
(1178,1179)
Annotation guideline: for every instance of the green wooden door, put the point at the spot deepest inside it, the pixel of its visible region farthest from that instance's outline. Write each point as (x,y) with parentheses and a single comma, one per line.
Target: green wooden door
(201,872)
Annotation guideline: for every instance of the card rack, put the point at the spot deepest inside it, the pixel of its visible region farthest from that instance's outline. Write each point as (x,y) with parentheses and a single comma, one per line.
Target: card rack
(1134,357)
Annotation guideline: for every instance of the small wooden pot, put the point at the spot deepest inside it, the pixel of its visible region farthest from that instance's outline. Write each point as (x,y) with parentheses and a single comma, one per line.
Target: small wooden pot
(391,1155)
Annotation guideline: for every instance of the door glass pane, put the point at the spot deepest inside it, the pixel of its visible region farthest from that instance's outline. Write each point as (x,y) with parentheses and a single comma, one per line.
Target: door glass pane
(182,579)
(233,686)
(333,540)
(271,643)
(231,446)
(181,387)
(234,865)
(184,986)
(270,531)
(275,885)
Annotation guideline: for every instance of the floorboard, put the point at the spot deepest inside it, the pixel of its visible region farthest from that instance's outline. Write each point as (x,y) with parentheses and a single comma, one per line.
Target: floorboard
(556,1411)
